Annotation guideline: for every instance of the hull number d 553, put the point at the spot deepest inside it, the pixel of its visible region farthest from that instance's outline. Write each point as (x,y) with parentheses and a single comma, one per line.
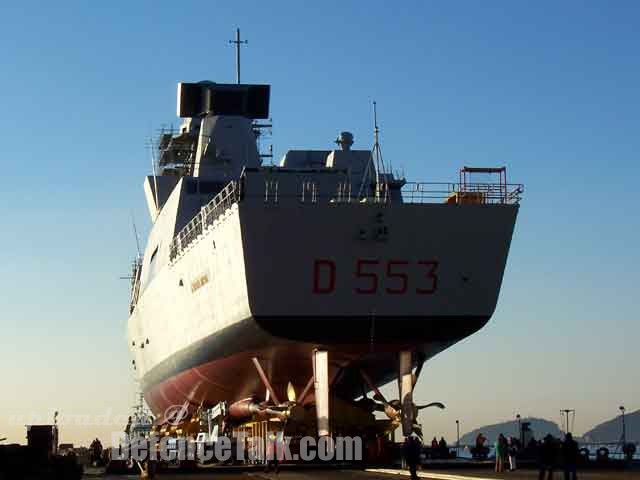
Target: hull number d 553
(373,276)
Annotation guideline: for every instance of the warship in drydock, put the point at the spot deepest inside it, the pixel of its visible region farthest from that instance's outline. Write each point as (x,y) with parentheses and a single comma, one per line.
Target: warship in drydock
(292,292)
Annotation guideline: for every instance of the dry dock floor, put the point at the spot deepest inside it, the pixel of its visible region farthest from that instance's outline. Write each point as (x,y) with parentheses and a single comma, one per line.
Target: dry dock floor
(325,474)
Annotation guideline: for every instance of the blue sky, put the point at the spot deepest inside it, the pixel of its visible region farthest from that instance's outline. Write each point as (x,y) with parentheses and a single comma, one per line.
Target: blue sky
(549,89)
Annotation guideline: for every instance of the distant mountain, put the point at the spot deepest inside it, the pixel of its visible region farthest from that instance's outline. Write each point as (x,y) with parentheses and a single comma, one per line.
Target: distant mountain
(539,427)
(611,431)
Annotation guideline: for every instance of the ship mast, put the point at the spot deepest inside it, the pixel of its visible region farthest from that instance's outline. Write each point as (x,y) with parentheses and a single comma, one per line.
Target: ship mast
(237,43)
(379,163)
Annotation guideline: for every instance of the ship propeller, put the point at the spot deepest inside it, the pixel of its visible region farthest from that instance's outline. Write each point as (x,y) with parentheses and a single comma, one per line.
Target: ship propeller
(393,408)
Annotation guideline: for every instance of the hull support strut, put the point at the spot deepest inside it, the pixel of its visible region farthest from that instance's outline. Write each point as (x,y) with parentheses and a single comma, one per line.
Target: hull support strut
(321,384)
(405,384)
(265,381)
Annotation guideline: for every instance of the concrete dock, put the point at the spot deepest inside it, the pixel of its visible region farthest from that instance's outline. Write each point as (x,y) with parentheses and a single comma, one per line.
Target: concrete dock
(375,474)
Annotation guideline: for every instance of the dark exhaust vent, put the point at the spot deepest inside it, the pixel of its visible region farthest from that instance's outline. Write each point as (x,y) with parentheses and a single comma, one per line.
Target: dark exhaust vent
(198,99)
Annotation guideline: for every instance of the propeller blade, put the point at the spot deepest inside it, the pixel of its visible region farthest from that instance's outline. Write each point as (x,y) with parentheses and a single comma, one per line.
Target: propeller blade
(291,392)
(417,429)
(377,395)
(422,358)
(391,412)
(432,404)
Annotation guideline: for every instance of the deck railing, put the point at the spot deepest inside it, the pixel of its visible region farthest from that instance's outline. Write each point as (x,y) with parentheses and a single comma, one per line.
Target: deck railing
(462,193)
(205,218)
(412,192)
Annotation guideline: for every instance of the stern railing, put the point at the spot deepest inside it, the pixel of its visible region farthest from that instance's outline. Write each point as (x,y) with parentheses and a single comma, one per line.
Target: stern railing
(411,192)
(462,193)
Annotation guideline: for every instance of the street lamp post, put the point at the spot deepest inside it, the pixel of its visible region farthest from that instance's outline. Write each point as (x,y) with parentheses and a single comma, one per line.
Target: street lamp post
(520,436)
(565,413)
(624,427)
(458,441)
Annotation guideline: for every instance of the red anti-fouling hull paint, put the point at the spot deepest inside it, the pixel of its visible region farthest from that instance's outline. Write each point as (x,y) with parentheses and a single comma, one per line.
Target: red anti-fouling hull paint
(235,377)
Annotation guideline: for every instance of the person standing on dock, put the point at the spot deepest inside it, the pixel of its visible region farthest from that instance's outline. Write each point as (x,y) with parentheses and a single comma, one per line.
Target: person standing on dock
(480,451)
(443,448)
(547,457)
(501,453)
(433,451)
(570,454)
(512,451)
(273,451)
(412,449)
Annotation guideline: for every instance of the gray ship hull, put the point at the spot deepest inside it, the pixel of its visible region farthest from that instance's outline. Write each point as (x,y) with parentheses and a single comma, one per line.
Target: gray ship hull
(276,279)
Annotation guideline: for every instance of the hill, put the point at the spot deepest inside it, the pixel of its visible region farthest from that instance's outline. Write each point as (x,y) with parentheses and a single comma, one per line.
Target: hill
(611,430)
(539,426)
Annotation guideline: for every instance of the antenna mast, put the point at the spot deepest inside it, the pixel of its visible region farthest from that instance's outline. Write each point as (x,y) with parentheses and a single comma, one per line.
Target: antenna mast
(155,180)
(379,163)
(237,43)
(135,233)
